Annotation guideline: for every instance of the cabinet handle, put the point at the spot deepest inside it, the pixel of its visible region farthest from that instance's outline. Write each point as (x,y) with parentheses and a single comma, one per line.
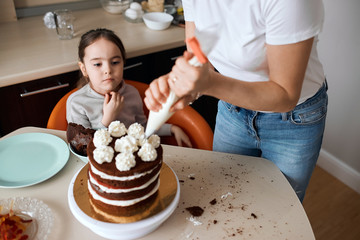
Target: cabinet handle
(26,93)
(174,58)
(133,66)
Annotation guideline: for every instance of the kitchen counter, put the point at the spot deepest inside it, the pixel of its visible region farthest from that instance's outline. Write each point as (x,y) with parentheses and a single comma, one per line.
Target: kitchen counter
(30,51)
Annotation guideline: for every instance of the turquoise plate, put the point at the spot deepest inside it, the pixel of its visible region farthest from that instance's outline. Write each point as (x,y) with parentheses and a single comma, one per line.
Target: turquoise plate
(30,158)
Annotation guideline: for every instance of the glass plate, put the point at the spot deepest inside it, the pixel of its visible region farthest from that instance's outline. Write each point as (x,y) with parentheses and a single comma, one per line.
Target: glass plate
(33,208)
(30,158)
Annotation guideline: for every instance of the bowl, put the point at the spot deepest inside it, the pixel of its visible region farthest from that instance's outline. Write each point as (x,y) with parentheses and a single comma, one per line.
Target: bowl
(157,20)
(170,9)
(81,157)
(115,6)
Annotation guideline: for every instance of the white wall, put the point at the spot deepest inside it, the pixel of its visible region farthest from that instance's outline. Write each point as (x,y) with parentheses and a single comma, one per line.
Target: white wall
(339,51)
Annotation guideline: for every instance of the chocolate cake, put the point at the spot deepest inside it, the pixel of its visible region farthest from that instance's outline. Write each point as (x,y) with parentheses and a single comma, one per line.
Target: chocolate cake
(124,169)
(79,137)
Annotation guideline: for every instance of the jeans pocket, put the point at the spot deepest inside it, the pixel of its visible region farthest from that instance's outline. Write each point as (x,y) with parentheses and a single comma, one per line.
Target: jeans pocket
(311,114)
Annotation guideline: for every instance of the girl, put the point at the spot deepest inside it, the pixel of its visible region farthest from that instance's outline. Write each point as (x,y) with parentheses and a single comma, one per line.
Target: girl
(106,97)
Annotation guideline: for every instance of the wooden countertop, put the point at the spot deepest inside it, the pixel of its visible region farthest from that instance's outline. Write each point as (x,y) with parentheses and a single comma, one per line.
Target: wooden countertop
(29,50)
(253,198)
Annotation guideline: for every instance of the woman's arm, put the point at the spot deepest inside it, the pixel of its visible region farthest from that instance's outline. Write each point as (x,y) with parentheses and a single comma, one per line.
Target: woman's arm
(287,66)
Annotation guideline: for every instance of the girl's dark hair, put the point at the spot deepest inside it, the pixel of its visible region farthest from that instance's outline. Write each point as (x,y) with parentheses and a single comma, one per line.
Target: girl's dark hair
(93,35)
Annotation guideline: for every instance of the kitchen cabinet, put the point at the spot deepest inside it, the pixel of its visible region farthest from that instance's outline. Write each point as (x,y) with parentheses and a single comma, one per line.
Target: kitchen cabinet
(148,67)
(30,103)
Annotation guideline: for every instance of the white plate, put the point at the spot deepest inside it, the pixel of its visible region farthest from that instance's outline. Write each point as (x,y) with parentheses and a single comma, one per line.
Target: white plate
(38,211)
(81,157)
(30,158)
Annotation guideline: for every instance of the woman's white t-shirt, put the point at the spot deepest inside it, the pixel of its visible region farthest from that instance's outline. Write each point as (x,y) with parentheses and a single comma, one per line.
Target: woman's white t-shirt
(247,25)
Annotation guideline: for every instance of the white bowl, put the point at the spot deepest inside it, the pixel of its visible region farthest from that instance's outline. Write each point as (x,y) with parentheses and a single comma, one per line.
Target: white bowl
(157,20)
(81,157)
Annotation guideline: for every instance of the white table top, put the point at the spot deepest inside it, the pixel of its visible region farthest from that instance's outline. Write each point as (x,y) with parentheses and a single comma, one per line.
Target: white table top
(30,51)
(260,203)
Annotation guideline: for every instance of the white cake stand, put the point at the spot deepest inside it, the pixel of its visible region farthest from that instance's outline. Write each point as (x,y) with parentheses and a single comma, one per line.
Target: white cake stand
(121,231)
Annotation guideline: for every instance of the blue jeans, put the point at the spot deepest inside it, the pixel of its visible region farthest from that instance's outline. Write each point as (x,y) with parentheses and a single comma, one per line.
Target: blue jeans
(291,140)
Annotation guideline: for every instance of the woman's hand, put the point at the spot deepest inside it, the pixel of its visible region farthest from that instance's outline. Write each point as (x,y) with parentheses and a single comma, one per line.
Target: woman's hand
(180,136)
(113,103)
(157,93)
(185,80)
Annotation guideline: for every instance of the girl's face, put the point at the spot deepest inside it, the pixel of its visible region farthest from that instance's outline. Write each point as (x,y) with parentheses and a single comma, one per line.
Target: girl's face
(103,65)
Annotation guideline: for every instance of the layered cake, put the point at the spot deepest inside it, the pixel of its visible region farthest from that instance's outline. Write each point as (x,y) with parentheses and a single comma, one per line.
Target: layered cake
(79,137)
(124,168)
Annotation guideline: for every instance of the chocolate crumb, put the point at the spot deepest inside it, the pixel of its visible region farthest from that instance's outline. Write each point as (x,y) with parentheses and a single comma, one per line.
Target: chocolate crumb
(240,231)
(181,181)
(215,221)
(253,215)
(196,211)
(192,178)
(213,202)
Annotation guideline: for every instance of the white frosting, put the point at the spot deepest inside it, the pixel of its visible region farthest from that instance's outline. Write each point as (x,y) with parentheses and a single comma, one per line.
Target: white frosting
(126,144)
(121,203)
(103,154)
(154,140)
(142,140)
(147,152)
(136,130)
(117,129)
(110,177)
(102,137)
(122,190)
(125,161)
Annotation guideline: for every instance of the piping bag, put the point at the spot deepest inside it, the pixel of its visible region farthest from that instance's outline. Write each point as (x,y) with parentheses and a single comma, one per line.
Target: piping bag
(207,39)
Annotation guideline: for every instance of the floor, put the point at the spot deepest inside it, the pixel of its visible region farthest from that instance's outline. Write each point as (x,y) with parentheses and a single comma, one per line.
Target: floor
(332,207)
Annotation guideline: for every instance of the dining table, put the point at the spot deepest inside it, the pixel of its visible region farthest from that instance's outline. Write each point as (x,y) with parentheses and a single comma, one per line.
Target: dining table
(242,197)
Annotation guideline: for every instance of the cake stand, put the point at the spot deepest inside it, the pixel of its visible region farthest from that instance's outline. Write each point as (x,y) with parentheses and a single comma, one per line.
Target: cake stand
(130,227)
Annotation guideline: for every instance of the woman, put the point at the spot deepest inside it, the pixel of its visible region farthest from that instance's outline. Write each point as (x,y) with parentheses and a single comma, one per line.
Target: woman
(268,77)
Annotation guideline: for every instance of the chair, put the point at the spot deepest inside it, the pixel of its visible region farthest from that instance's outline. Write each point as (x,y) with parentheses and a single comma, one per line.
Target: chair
(188,119)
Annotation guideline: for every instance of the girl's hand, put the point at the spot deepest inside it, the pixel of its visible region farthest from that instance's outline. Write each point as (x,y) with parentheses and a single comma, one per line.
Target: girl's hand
(180,136)
(113,103)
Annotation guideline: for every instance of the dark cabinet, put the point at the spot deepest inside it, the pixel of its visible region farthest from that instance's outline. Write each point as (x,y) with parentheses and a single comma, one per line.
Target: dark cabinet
(148,67)
(30,103)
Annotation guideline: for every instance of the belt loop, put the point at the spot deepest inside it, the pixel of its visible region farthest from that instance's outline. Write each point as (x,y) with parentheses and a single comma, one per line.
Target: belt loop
(326,84)
(284,116)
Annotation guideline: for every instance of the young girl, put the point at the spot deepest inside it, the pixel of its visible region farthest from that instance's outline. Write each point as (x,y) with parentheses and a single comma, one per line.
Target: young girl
(106,97)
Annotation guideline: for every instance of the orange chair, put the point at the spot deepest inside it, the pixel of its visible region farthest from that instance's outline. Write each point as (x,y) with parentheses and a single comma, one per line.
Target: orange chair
(188,119)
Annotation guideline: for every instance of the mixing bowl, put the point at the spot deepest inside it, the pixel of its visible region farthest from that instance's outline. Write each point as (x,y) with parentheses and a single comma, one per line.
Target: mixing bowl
(115,6)
(157,20)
